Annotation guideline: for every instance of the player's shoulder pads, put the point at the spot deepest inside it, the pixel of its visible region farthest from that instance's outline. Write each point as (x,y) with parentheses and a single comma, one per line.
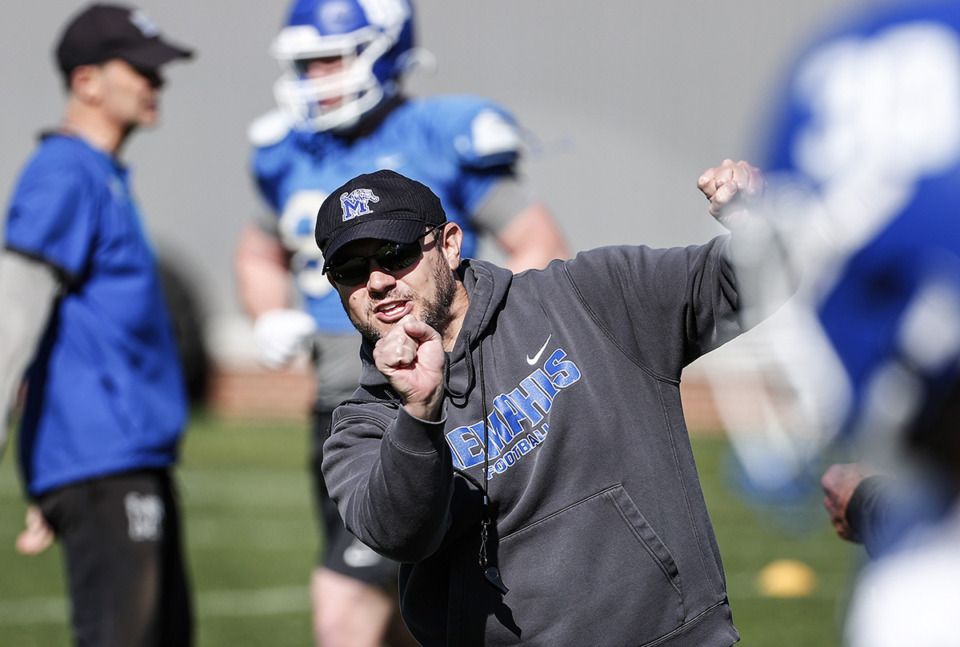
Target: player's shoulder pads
(483,133)
(269,129)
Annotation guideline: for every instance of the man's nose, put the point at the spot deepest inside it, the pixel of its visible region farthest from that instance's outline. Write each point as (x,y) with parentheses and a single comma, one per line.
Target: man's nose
(379,279)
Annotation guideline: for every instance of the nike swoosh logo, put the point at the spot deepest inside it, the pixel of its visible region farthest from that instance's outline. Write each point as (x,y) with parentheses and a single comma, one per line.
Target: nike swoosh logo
(533,360)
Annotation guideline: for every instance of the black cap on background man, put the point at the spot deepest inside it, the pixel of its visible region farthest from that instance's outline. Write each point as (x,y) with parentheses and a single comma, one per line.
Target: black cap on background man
(102,32)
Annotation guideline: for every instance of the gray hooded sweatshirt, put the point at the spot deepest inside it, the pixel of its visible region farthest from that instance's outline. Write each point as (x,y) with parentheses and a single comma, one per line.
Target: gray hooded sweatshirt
(598,534)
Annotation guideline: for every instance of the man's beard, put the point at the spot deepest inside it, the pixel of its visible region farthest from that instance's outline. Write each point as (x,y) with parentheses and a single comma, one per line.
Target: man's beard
(435,312)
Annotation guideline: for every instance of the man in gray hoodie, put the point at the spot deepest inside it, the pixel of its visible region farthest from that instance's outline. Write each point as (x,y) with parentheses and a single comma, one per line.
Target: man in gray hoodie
(517,441)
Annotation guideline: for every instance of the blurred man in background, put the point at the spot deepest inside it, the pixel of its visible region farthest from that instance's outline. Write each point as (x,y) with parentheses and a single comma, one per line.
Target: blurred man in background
(866,154)
(342,112)
(83,308)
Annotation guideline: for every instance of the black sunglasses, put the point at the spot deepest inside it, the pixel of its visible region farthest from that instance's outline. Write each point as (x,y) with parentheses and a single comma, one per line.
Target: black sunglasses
(391,256)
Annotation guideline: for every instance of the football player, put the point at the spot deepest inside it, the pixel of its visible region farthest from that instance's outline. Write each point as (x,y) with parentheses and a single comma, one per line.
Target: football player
(866,146)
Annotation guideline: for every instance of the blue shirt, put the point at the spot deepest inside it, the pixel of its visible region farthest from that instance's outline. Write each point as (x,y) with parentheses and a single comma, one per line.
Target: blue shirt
(459,146)
(105,392)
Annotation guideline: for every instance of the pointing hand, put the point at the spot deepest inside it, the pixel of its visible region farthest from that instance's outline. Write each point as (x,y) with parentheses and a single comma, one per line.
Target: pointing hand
(411,356)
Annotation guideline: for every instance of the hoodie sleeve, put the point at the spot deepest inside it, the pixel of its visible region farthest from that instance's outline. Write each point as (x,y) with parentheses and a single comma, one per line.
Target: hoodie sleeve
(391,476)
(663,307)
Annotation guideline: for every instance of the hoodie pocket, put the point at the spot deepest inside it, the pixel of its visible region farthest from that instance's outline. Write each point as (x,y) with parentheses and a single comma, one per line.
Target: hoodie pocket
(595,571)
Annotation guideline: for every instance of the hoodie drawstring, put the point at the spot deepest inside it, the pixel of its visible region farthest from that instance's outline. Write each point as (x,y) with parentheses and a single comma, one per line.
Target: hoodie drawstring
(490,571)
(446,374)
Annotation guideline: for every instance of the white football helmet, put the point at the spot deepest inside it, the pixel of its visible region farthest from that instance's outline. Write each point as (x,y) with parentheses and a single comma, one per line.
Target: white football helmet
(373,40)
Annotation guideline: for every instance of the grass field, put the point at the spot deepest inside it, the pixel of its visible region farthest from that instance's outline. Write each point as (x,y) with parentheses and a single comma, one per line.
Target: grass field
(252,541)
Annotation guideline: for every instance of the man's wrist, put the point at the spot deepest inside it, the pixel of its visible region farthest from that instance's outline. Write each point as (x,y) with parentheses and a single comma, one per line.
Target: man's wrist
(415,433)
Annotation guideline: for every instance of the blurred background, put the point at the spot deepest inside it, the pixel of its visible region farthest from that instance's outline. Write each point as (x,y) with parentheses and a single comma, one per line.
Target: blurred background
(625,102)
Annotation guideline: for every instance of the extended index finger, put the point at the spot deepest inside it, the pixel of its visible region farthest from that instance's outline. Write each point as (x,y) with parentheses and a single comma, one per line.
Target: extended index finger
(417,330)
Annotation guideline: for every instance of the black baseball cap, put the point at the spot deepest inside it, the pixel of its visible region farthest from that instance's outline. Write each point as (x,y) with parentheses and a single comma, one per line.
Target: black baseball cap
(383,205)
(102,32)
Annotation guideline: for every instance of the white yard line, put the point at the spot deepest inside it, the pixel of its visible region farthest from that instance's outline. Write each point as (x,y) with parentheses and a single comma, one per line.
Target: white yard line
(230,603)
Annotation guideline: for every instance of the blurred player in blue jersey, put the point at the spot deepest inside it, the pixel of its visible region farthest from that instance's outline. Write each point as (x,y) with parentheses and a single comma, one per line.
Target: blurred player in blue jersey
(342,112)
(867,143)
(83,308)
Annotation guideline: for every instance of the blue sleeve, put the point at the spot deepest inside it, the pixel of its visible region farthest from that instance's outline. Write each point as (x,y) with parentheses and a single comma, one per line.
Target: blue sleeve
(480,137)
(273,141)
(53,216)
(271,138)
(870,510)
(265,165)
(482,133)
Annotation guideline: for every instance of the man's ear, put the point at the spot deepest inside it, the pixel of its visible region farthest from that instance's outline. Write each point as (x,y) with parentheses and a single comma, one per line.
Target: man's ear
(451,242)
(86,83)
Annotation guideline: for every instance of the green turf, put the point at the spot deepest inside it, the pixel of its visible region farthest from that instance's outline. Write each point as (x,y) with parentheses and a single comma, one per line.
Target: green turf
(252,541)
(750,537)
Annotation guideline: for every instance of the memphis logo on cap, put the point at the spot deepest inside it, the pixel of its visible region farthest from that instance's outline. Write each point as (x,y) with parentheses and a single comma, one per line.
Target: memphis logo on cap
(144,23)
(357,203)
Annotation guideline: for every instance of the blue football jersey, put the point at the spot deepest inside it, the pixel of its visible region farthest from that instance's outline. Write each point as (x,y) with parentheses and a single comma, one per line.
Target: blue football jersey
(459,146)
(870,122)
(106,390)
